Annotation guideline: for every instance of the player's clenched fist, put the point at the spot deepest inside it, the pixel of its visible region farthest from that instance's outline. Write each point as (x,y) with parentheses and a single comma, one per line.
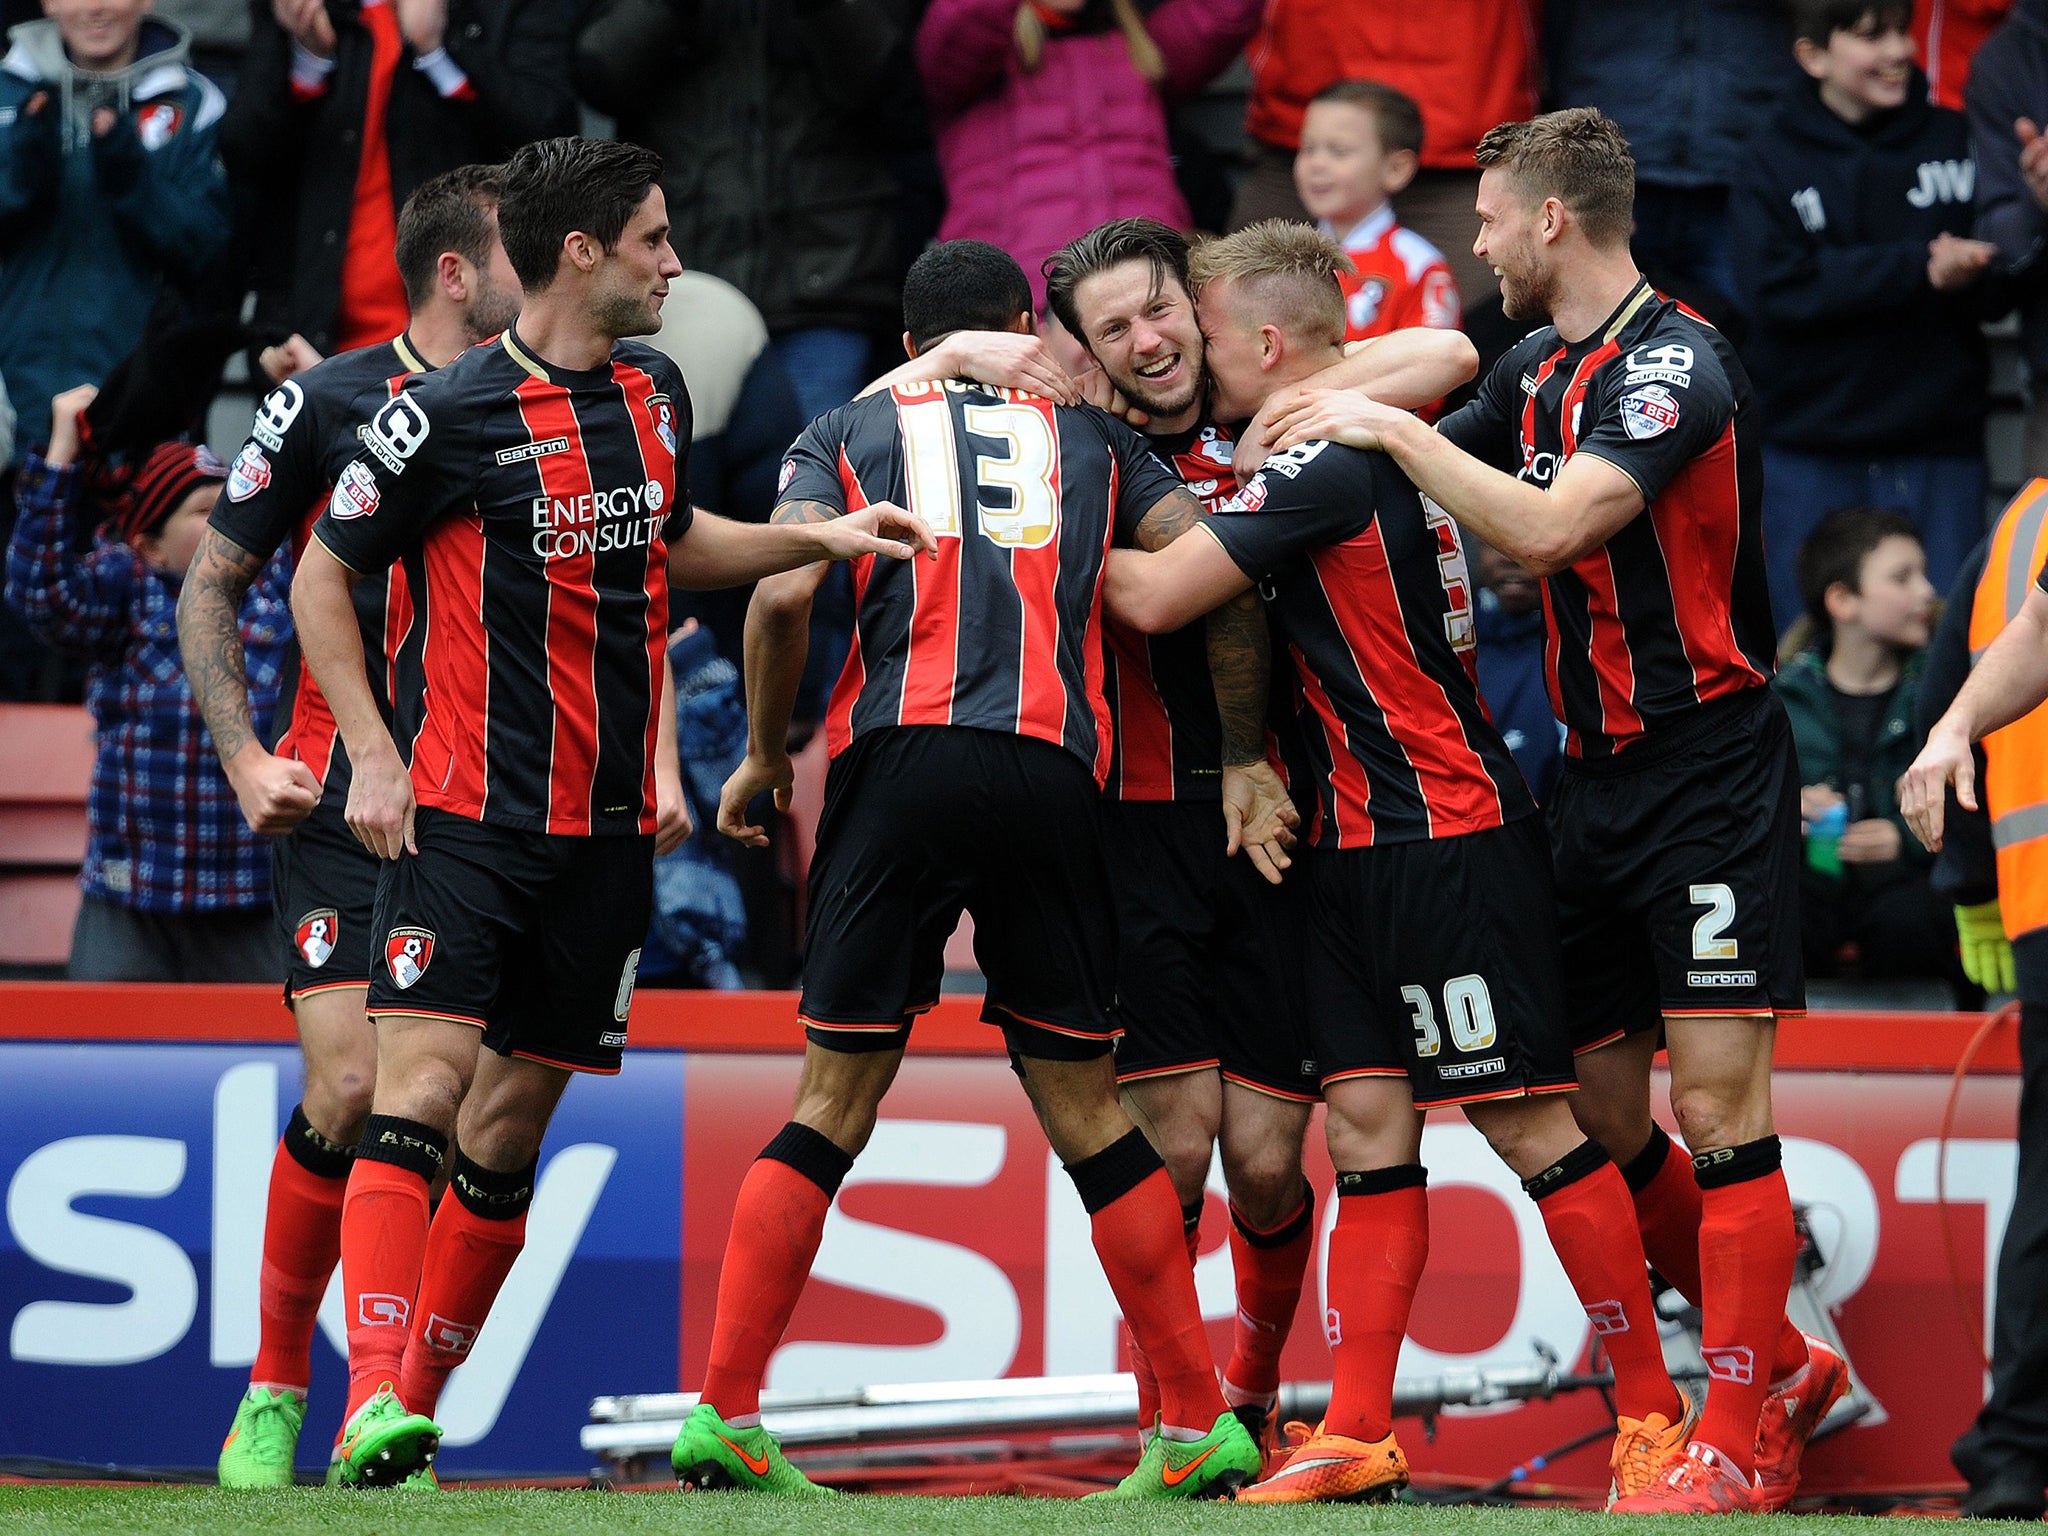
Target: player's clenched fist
(1923,792)
(753,775)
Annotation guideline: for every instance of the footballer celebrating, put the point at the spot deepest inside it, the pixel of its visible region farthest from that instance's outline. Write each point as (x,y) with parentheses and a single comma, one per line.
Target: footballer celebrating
(532,488)
(459,290)
(969,741)
(1613,453)
(1433,967)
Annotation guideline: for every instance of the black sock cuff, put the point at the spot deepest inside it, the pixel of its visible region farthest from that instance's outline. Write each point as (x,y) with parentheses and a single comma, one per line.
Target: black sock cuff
(811,1153)
(1287,1231)
(1587,1158)
(490,1194)
(404,1144)
(1191,1215)
(1115,1171)
(313,1152)
(1738,1165)
(1383,1181)
(1641,1171)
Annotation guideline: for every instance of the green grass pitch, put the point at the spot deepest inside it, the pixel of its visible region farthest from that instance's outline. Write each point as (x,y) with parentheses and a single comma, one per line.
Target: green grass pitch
(322,1512)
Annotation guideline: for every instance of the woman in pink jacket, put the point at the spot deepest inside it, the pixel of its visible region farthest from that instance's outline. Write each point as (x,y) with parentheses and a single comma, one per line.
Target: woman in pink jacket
(1050,116)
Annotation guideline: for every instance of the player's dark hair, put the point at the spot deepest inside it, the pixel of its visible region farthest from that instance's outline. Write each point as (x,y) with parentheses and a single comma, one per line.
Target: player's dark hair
(1395,112)
(449,212)
(962,285)
(1161,246)
(1578,156)
(557,187)
(1815,21)
(1835,552)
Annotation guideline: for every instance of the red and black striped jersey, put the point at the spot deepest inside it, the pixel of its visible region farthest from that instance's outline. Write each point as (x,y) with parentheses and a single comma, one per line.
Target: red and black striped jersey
(534,507)
(1003,631)
(1673,610)
(304,436)
(1366,585)
(1162,705)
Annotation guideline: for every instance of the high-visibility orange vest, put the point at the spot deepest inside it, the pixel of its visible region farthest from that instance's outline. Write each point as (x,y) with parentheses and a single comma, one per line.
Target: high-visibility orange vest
(2015,788)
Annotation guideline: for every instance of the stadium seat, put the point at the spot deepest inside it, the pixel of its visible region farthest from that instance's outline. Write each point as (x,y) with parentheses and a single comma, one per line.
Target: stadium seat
(46,755)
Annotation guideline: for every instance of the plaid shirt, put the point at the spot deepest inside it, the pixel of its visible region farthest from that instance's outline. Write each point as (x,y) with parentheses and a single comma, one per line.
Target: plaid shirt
(166,832)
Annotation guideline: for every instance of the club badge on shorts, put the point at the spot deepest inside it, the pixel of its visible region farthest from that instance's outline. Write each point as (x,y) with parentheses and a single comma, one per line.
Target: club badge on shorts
(408,951)
(316,936)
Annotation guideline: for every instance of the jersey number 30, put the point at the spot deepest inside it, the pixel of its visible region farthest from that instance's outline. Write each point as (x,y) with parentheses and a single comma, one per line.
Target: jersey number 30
(1016,500)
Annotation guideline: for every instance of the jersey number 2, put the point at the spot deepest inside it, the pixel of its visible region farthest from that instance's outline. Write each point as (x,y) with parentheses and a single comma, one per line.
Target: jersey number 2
(1017,498)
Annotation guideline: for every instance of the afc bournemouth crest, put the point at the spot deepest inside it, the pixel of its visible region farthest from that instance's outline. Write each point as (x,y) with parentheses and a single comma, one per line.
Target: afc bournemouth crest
(315,936)
(408,951)
(664,420)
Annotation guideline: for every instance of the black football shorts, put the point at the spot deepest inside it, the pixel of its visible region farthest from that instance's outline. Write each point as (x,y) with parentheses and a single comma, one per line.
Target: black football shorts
(923,822)
(323,887)
(1678,874)
(1209,955)
(533,936)
(1438,961)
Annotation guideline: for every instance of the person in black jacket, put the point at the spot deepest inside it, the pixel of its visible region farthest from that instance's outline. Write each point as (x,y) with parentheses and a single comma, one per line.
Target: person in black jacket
(1864,298)
(2007,98)
(326,84)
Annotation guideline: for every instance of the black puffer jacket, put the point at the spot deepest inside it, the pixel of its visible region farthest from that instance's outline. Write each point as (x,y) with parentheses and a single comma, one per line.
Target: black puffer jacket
(775,121)
(299,158)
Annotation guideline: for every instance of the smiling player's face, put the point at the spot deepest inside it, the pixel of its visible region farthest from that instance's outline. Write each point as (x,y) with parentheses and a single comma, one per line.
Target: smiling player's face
(1140,324)
(634,276)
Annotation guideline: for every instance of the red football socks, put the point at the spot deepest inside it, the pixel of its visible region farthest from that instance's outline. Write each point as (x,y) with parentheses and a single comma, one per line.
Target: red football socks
(383,1241)
(476,1238)
(1747,1246)
(1143,1246)
(1269,1266)
(777,1223)
(1668,1215)
(1377,1251)
(1586,1211)
(301,1245)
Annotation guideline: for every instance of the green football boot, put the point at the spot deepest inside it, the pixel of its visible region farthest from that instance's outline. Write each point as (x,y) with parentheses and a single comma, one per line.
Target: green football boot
(265,1436)
(710,1453)
(1212,1467)
(426,1480)
(383,1445)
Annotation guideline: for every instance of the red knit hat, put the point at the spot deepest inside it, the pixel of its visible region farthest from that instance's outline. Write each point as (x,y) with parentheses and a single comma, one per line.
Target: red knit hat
(160,484)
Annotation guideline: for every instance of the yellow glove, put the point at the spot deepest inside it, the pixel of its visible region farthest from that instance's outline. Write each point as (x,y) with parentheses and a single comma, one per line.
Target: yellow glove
(1987,953)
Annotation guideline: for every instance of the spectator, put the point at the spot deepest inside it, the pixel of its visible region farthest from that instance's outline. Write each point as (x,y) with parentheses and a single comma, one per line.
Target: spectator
(109,188)
(342,110)
(1469,74)
(1687,80)
(1359,143)
(700,918)
(775,124)
(1510,628)
(1865,299)
(176,886)
(1050,116)
(1850,692)
(1948,34)
(2008,101)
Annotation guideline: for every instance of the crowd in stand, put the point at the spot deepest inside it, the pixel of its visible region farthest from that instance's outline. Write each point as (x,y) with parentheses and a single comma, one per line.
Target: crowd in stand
(1850,190)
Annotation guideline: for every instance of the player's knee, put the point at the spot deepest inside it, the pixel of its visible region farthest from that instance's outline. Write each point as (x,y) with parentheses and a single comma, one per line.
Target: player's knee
(1708,1117)
(504,1142)
(1623,1129)
(428,1091)
(338,1096)
(1264,1179)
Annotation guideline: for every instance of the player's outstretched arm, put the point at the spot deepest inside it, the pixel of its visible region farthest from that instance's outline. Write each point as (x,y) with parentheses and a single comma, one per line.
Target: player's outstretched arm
(1006,359)
(1544,530)
(380,801)
(776,646)
(1408,369)
(1158,592)
(715,551)
(275,793)
(2009,681)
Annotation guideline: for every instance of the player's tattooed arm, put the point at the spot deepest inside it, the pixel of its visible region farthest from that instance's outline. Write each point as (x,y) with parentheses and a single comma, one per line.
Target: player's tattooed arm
(803,512)
(1240,666)
(1168,518)
(275,793)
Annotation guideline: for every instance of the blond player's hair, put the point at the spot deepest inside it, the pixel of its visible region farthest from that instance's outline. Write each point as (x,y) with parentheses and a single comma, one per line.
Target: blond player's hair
(1291,269)
(1578,156)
